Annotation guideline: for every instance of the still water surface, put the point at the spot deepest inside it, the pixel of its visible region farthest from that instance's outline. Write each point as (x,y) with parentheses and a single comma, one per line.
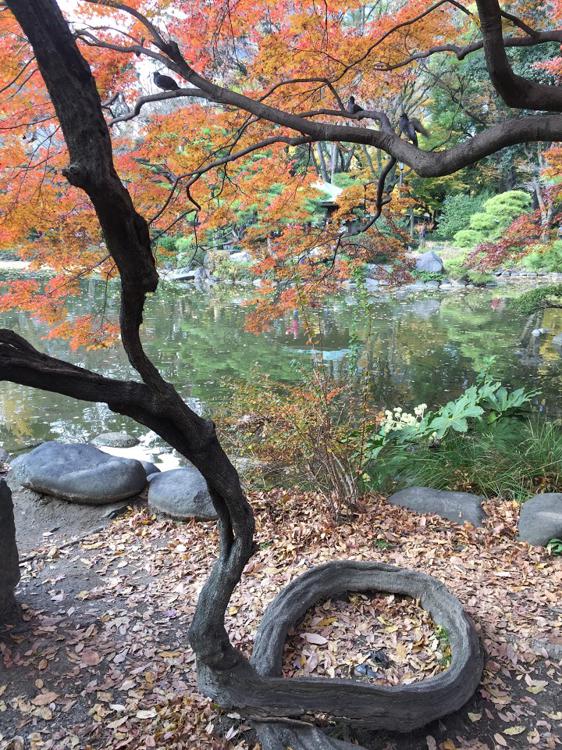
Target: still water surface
(417,350)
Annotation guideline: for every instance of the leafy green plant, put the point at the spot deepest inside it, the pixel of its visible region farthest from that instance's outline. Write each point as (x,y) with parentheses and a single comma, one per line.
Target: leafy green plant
(486,401)
(545,258)
(467,238)
(478,278)
(456,268)
(427,275)
(498,213)
(539,299)
(554,546)
(510,458)
(456,211)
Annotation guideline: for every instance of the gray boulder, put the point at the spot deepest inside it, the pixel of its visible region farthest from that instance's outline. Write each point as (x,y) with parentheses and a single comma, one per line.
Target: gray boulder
(557,341)
(181,274)
(149,468)
(429,262)
(9,559)
(181,494)
(540,519)
(413,288)
(372,285)
(79,473)
(115,440)
(456,506)
(240,257)
(4,456)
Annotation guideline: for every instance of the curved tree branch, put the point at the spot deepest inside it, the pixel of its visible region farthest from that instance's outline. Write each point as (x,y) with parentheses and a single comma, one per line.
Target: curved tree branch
(516,91)
(74,95)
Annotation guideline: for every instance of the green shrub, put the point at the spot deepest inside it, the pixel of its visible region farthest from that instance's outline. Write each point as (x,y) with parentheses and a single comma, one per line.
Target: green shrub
(456,268)
(509,205)
(538,299)
(467,238)
(456,212)
(512,459)
(479,278)
(499,212)
(545,258)
(484,403)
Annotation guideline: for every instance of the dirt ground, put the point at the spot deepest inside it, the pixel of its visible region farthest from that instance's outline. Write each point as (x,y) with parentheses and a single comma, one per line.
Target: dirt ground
(101,660)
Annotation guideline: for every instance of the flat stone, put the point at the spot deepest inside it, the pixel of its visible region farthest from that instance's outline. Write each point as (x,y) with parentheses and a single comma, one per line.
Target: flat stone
(9,559)
(79,473)
(455,506)
(115,440)
(181,494)
(540,519)
(429,262)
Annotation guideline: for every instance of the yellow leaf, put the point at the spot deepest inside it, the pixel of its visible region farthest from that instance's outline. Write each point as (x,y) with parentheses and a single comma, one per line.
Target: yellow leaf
(514,730)
(474,717)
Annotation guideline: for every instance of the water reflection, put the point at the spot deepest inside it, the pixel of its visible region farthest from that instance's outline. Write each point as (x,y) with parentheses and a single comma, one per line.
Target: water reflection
(422,350)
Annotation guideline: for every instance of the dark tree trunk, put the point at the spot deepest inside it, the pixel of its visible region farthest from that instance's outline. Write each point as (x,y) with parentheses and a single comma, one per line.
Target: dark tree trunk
(9,560)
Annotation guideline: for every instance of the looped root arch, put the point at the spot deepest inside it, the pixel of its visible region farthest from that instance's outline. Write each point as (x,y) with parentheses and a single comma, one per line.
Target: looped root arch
(396,708)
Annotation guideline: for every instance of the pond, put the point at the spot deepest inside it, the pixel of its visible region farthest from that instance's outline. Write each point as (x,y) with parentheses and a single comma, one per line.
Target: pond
(424,349)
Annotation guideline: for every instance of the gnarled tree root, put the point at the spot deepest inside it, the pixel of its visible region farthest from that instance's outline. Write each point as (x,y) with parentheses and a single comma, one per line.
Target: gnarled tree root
(401,708)
(296,735)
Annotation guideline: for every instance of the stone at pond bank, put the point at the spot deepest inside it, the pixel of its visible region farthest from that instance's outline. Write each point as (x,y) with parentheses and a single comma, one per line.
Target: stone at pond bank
(9,559)
(79,473)
(372,285)
(429,262)
(181,494)
(115,440)
(557,341)
(456,506)
(149,468)
(541,519)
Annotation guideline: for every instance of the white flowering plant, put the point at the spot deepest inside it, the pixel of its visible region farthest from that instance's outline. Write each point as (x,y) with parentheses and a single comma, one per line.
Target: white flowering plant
(488,400)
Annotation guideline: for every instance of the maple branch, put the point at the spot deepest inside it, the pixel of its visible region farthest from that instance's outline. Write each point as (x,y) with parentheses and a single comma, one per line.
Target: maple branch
(161,96)
(18,75)
(538,37)
(426,164)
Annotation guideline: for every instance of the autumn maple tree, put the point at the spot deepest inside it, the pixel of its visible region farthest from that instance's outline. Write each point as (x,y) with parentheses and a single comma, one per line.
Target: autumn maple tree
(99,169)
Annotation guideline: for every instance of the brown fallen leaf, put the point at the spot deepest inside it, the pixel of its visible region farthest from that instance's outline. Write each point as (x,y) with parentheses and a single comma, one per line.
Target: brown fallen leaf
(43,699)
(89,658)
(319,640)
